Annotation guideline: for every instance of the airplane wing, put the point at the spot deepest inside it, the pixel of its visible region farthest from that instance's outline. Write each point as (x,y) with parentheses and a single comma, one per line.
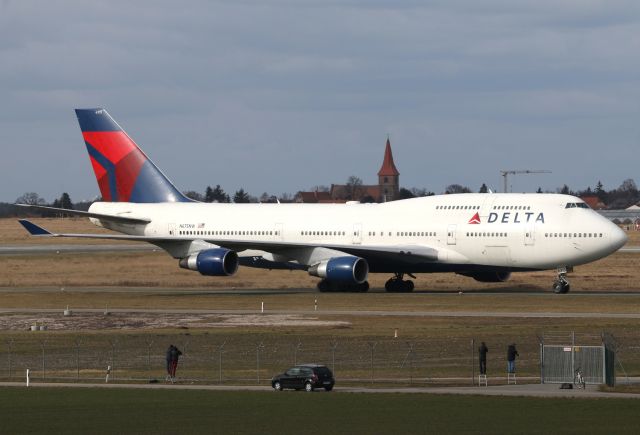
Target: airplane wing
(120,219)
(409,253)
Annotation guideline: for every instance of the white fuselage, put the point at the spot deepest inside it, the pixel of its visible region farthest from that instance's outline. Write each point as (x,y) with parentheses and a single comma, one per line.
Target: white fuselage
(513,231)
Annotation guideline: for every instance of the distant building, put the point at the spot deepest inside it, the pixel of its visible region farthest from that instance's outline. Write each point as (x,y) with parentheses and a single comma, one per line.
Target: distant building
(387,189)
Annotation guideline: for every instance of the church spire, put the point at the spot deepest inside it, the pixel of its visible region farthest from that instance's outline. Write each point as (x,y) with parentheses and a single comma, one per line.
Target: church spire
(388,168)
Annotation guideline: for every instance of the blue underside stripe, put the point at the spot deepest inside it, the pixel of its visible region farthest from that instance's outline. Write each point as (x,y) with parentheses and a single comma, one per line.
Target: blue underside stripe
(108,166)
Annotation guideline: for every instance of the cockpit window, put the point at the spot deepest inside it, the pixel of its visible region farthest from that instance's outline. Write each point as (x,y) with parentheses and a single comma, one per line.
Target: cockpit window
(576,205)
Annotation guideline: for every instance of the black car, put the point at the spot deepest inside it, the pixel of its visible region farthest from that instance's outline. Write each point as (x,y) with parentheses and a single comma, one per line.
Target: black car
(305,376)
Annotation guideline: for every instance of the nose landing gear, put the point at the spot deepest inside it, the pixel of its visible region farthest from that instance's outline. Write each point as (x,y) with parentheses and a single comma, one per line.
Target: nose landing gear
(561,284)
(398,285)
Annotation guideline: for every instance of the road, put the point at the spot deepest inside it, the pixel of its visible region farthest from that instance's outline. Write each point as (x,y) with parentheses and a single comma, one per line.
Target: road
(526,390)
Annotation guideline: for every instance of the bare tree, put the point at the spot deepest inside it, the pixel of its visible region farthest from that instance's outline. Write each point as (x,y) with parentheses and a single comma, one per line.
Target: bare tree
(457,188)
(354,189)
(30,198)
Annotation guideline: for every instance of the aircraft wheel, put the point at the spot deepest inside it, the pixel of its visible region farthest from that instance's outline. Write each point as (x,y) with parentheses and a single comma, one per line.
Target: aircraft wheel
(561,287)
(392,285)
(410,286)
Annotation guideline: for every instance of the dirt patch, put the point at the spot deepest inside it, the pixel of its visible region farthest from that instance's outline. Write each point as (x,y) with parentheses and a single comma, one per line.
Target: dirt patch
(94,321)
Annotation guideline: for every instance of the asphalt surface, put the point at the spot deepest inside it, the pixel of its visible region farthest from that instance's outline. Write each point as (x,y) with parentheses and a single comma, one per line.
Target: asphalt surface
(526,390)
(358,313)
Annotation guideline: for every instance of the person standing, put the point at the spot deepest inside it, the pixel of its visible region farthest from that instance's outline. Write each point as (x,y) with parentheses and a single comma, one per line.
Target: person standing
(512,353)
(482,354)
(175,354)
(169,358)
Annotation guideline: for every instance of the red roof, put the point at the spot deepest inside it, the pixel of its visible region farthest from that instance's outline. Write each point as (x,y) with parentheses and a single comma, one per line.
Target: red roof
(388,168)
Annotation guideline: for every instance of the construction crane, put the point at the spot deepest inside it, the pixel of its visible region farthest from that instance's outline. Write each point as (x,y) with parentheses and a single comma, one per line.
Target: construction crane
(505,174)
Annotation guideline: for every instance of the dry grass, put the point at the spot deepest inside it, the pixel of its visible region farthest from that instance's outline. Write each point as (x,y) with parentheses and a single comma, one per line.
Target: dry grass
(12,233)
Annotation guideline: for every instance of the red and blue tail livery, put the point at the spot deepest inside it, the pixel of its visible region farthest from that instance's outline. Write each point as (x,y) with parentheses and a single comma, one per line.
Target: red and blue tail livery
(124,173)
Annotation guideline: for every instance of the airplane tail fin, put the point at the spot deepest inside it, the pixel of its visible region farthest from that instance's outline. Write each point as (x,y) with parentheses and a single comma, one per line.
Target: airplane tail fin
(123,171)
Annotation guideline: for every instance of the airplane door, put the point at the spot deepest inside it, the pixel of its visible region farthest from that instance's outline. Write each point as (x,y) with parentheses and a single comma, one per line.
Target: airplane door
(451,235)
(172,229)
(357,234)
(279,232)
(529,234)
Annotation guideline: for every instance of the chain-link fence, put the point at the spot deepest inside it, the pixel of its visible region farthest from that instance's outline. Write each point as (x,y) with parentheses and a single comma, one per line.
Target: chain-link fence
(242,358)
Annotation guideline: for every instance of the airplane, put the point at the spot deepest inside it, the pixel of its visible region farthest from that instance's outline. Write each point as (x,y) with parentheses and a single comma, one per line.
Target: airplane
(485,236)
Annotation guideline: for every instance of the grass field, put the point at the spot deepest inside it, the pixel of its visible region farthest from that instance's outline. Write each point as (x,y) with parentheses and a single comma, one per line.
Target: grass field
(97,411)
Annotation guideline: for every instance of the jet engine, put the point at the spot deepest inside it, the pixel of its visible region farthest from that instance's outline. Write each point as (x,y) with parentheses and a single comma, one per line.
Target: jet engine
(212,262)
(342,269)
(489,276)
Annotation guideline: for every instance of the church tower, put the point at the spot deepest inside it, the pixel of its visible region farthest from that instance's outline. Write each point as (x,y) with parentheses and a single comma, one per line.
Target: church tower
(388,176)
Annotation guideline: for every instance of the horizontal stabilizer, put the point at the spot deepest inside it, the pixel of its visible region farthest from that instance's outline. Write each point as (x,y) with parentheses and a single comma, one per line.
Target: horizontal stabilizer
(119,219)
(34,229)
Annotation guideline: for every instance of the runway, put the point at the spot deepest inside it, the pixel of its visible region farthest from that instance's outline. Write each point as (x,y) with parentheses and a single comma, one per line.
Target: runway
(320,312)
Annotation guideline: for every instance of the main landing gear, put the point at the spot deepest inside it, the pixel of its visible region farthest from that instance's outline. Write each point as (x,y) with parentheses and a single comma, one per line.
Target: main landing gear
(333,286)
(398,285)
(561,284)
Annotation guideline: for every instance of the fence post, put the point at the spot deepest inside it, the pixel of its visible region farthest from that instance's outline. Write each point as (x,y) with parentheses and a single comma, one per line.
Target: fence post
(295,353)
(43,343)
(220,352)
(334,345)
(473,363)
(10,343)
(184,354)
(149,345)
(410,356)
(541,344)
(259,346)
(114,344)
(372,346)
(78,343)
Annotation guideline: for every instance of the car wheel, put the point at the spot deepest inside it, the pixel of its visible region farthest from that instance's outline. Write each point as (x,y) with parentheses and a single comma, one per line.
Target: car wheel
(328,388)
(308,386)
(277,386)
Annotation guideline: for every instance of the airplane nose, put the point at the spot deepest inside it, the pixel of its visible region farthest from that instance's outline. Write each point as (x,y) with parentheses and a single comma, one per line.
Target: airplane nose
(618,238)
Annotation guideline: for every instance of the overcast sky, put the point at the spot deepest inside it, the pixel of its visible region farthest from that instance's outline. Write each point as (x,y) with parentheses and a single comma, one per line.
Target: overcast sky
(280,96)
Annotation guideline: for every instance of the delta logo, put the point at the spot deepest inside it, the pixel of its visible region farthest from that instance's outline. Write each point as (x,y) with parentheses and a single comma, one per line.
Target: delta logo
(475,219)
(509,218)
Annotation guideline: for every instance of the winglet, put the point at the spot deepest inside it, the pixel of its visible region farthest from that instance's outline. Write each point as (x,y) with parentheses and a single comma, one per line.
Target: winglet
(34,229)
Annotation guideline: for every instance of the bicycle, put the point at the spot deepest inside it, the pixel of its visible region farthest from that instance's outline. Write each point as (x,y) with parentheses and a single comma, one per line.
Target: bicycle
(578,379)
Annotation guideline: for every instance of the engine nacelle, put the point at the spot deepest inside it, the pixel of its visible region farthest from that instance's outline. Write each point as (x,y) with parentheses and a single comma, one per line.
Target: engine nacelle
(212,262)
(489,276)
(342,269)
